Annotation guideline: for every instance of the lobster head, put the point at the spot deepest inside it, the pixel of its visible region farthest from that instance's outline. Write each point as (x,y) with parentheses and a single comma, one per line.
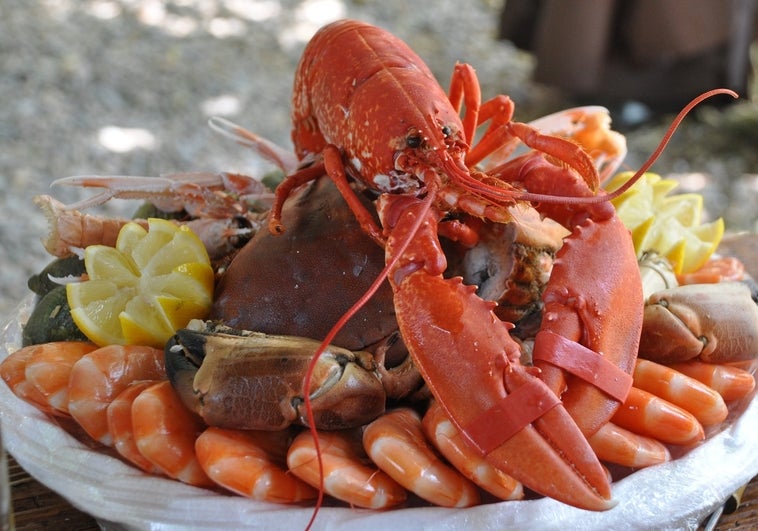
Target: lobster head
(341,98)
(420,140)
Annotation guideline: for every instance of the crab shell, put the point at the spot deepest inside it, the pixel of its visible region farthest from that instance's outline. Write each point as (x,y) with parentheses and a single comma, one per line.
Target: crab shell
(300,283)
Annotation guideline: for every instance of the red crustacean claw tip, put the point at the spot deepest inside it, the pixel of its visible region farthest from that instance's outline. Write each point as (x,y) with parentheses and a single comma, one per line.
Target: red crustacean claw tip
(549,455)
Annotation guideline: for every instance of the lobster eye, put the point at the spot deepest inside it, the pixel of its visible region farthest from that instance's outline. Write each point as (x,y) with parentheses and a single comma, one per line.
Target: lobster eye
(446,131)
(414,140)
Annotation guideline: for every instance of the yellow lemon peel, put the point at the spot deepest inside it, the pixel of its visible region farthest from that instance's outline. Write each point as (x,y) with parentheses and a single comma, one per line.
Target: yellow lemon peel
(141,291)
(669,225)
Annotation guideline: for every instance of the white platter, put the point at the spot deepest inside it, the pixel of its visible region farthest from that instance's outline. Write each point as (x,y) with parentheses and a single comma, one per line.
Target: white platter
(676,495)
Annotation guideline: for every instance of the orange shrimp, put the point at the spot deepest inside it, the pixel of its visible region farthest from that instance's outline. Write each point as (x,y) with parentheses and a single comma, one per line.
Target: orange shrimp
(165,432)
(703,402)
(396,443)
(646,414)
(101,375)
(613,444)
(348,475)
(49,369)
(721,269)
(119,415)
(447,439)
(252,463)
(13,372)
(731,382)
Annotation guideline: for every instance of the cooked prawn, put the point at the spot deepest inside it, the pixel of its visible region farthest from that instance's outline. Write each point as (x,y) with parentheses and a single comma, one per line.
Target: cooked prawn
(119,415)
(731,382)
(688,393)
(720,269)
(165,432)
(49,369)
(13,372)
(447,439)
(101,375)
(348,475)
(252,463)
(646,414)
(396,443)
(613,444)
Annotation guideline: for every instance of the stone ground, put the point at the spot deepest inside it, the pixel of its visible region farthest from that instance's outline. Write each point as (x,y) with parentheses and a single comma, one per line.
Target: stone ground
(125,87)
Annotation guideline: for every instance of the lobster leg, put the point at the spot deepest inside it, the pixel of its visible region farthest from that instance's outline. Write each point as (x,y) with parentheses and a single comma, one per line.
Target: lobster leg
(470,363)
(593,306)
(502,133)
(335,169)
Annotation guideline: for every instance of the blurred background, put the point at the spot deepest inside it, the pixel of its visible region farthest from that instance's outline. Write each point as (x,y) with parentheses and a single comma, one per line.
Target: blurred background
(125,87)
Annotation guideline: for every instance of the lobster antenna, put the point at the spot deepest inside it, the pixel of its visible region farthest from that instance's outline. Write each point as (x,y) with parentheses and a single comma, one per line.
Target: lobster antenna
(666,138)
(494,193)
(375,285)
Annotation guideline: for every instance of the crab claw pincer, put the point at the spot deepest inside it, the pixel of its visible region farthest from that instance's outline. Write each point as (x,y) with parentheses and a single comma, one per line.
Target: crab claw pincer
(247,380)
(716,323)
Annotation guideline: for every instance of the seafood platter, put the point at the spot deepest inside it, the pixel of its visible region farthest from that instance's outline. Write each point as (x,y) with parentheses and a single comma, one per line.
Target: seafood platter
(429,315)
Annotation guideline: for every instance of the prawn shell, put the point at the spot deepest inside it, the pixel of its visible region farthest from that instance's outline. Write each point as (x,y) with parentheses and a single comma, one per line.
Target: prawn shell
(49,370)
(448,440)
(396,443)
(13,373)
(121,427)
(348,473)
(98,378)
(165,433)
(252,464)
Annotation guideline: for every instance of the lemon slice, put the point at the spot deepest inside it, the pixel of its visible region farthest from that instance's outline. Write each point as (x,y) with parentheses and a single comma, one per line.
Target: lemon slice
(702,243)
(669,225)
(661,187)
(140,292)
(685,208)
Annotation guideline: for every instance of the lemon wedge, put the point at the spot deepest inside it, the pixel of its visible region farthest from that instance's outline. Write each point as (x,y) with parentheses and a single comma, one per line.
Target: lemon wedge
(669,225)
(141,291)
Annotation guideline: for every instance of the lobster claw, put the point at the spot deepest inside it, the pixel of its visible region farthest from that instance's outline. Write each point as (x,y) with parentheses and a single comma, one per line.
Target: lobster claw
(470,364)
(692,320)
(247,380)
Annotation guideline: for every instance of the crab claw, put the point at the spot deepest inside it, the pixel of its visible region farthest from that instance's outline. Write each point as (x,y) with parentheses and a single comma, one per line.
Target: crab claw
(716,323)
(246,380)
(470,364)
